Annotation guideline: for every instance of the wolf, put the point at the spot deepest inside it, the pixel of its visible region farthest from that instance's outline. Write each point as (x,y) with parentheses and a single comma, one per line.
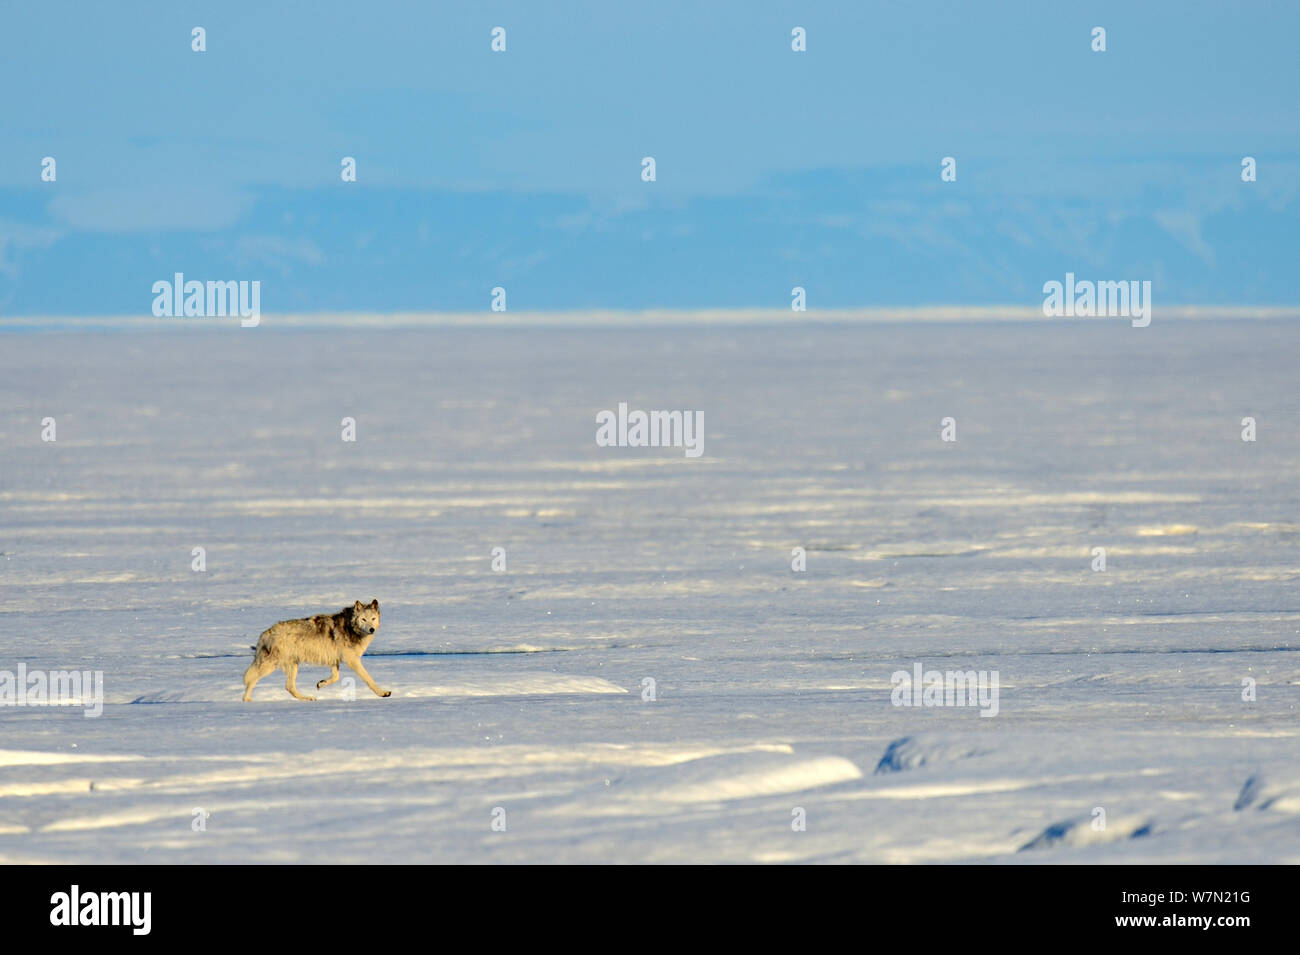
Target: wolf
(325,639)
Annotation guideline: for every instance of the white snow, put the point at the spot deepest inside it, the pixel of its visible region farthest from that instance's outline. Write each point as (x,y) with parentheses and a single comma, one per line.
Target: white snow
(525,691)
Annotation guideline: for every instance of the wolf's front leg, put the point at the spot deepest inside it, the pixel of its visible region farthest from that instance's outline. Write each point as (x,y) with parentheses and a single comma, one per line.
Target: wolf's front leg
(333,678)
(354,660)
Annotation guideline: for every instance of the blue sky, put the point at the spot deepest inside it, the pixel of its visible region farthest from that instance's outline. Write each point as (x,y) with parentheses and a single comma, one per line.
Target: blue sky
(522,169)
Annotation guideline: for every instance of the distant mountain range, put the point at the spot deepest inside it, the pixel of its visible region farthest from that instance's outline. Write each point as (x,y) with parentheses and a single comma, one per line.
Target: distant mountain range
(880,236)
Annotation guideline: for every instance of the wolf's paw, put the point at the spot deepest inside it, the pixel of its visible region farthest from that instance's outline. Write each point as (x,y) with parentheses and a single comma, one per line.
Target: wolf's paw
(309,699)
(321,684)
(386,693)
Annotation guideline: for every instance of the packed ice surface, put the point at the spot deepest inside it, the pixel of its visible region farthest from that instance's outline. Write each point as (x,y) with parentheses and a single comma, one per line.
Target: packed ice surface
(520,695)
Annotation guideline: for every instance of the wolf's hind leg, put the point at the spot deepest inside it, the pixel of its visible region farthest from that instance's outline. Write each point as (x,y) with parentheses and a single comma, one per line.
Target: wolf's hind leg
(291,681)
(256,670)
(333,677)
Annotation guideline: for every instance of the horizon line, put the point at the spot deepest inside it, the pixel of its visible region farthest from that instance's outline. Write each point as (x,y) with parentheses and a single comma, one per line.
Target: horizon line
(651,317)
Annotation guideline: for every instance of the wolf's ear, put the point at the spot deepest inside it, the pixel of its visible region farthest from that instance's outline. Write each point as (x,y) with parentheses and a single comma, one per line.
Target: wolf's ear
(358,605)
(375,603)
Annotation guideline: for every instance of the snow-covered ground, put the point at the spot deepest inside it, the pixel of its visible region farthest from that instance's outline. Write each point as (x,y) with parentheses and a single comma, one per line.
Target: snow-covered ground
(518,695)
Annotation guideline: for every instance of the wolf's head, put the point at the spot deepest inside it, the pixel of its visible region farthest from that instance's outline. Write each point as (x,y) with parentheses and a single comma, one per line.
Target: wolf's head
(365,617)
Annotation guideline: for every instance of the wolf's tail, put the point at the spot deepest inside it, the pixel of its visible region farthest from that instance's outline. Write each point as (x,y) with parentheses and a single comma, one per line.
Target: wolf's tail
(261,649)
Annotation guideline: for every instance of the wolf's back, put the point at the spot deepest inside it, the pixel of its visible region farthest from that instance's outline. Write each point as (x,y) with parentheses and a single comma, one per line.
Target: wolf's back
(302,641)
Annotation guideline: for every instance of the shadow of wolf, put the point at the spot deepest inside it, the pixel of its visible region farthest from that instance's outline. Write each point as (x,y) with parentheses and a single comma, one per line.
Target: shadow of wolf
(325,639)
